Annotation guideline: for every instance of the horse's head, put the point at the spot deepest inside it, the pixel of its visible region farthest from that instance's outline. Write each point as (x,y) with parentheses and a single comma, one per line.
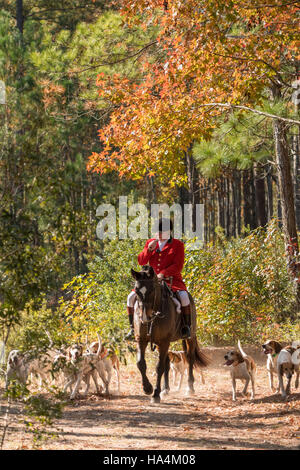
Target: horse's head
(146,288)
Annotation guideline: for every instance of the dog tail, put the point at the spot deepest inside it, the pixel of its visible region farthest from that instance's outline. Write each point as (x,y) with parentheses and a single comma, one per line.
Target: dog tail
(241,349)
(99,344)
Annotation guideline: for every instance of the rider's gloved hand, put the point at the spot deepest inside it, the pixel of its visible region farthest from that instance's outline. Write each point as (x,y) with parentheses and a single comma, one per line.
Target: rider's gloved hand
(152,245)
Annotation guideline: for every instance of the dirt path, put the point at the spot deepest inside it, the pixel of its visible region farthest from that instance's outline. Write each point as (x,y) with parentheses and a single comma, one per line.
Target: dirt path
(209,420)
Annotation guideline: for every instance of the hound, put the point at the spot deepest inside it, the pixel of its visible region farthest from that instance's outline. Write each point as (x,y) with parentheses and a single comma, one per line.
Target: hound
(78,366)
(21,365)
(42,367)
(17,367)
(296,344)
(109,358)
(242,367)
(179,365)
(272,348)
(286,367)
(296,356)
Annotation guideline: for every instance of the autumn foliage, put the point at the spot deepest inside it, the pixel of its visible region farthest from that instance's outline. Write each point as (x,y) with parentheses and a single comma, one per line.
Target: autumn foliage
(205,53)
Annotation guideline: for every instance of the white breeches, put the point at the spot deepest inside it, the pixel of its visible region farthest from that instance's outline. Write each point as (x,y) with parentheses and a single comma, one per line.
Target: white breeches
(184,298)
(131,299)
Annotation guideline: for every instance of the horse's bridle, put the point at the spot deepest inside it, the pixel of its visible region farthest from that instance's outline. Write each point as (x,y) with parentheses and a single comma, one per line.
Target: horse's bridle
(155,314)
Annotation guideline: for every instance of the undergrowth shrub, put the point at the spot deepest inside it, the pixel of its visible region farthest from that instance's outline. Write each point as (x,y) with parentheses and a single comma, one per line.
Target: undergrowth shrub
(242,289)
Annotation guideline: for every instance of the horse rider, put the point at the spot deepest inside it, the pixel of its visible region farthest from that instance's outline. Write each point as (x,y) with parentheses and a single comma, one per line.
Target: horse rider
(166,256)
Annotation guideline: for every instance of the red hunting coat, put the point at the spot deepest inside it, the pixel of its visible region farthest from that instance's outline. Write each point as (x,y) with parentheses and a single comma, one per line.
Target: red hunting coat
(169,261)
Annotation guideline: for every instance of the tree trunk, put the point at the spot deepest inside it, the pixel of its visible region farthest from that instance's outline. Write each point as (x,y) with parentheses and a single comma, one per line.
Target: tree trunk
(247,205)
(20,16)
(212,209)
(296,159)
(233,206)
(221,215)
(270,192)
(296,168)
(260,196)
(193,179)
(287,197)
(151,190)
(238,201)
(254,223)
(227,207)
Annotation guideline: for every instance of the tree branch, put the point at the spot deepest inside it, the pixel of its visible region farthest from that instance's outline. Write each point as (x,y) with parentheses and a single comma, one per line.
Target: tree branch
(65,10)
(123,59)
(246,108)
(274,5)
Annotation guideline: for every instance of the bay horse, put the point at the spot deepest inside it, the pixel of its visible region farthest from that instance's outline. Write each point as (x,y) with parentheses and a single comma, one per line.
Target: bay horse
(157,321)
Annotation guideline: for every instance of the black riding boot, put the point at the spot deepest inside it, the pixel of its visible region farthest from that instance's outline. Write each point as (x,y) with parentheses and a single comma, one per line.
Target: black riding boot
(130,334)
(186,329)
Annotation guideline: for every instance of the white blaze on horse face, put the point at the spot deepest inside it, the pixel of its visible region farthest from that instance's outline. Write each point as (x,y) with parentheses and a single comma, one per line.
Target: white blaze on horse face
(143,290)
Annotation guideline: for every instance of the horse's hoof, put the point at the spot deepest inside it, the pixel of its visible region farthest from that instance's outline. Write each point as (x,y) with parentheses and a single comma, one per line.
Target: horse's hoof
(164,393)
(190,393)
(148,389)
(155,400)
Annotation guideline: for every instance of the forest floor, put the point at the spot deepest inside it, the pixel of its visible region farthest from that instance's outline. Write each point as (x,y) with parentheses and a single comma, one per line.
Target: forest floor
(209,420)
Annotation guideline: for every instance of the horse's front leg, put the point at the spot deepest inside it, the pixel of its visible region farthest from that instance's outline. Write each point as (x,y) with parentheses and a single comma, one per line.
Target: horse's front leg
(160,369)
(141,363)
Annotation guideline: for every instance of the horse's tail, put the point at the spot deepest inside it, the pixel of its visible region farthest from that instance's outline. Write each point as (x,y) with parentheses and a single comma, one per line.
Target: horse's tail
(201,359)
